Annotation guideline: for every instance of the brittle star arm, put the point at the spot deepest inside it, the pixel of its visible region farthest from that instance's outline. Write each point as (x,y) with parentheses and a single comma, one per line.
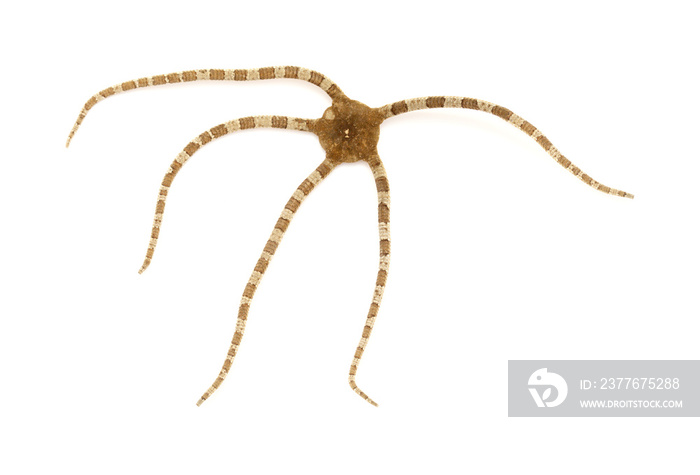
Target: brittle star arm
(270,248)
(279,122)
(419,103)
(291,72)
(382,184)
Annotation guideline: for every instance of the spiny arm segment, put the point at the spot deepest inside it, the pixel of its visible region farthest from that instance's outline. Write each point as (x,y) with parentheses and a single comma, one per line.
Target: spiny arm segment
(279,122)
(291,72)
(382,184)
(270,248)
(419,103)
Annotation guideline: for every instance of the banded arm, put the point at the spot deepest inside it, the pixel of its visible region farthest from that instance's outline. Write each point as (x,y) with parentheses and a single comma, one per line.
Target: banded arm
(278,122)
(409,105)
(291,72)
(270,248)
(382,184)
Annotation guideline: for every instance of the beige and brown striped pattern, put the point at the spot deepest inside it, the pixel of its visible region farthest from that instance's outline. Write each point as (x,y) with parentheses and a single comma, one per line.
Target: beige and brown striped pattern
(270,248)
(348,131)
(279,122)
(384,200)
(275,72)
(419,103)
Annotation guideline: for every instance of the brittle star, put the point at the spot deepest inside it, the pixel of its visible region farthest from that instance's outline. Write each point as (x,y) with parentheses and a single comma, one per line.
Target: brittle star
(348,132)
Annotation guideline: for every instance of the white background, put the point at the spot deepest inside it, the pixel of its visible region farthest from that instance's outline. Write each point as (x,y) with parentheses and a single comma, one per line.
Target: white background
(498,253)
